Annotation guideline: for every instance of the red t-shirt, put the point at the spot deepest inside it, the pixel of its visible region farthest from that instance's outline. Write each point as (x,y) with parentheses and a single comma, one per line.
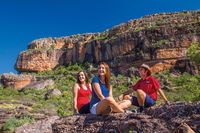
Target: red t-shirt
(83,96)
(149,85)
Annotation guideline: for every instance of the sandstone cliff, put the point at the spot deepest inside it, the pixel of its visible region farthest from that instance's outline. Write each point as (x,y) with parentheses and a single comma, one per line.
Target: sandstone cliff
(159,39)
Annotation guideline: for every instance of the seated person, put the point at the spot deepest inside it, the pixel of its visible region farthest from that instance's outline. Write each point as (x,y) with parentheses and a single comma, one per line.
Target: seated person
(146,89)
(102,101)
(81,92)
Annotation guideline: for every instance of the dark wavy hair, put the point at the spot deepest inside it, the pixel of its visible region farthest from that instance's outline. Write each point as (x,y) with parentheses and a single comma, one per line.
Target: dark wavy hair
(86,77)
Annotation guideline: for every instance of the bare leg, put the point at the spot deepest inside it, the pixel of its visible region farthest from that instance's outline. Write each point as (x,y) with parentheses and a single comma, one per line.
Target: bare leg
(141,95)
(108,103)
(125,104)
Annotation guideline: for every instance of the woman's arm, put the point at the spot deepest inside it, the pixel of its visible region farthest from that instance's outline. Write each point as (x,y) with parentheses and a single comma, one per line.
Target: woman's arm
(90,86)
(110,92)
(75,94)
(162,95)
(97,90)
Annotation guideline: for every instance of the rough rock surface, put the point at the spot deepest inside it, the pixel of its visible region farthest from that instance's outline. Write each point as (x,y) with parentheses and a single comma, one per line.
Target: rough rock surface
(39,85)
(160,119)
(16,81)
(187,66)
(19,110)
(159,39)
(52,92)
(43,126)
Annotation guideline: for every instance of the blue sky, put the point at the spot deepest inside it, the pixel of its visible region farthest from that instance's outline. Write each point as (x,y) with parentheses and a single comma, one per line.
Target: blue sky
(22,21)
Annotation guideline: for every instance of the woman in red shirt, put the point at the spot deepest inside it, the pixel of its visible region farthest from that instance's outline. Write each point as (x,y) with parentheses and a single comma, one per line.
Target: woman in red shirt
(81,93)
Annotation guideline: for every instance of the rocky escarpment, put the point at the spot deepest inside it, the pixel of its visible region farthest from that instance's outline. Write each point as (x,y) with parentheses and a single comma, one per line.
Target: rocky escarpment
(159,40)
(176,117)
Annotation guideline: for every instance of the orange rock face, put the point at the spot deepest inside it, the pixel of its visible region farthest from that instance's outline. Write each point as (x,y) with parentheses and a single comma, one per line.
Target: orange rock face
(160,66)
(152,39)
(171,53)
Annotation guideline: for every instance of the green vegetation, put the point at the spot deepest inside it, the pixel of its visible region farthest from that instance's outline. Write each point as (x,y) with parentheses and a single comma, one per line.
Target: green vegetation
(185,87)
(193,52)
(77,36)
(103,36)
(53,47)
(13,123)
(41,49)
(159,43)
(33,50)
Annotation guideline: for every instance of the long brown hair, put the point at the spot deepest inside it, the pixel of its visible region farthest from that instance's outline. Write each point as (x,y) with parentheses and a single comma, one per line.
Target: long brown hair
(107,76)
(86,77)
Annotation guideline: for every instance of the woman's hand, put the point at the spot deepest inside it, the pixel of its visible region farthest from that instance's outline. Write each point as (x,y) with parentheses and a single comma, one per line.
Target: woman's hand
(167,102)
(76,111)
(121,97)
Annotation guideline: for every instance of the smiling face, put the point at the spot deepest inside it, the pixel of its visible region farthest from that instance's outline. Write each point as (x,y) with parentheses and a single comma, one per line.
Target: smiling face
(81,77)
(142,72)
(102,70)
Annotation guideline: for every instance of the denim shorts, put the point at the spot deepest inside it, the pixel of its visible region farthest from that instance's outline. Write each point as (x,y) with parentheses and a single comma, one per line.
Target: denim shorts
(93,109)
(148,101)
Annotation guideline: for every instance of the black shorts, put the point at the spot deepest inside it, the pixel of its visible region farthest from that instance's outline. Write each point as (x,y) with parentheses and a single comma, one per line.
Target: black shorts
(85,109)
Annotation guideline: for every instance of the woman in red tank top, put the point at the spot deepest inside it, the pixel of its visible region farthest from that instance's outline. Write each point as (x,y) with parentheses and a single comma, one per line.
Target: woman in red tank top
(81,93)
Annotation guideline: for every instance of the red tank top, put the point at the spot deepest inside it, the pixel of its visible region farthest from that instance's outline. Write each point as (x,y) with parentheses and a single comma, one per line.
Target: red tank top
(83,96)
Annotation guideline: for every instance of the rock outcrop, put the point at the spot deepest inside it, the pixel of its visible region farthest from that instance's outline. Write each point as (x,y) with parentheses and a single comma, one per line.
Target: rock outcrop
(39,85)
(187,66)
(161,119)
(16,81)
(52,92)
(159,39)
(43,126)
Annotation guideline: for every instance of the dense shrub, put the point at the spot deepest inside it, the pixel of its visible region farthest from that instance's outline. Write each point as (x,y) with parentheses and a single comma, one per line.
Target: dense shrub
(13,123)
(193,52)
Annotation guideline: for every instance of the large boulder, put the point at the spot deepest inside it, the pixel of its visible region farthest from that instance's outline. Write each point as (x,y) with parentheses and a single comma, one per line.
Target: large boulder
(52,92)
(16,81)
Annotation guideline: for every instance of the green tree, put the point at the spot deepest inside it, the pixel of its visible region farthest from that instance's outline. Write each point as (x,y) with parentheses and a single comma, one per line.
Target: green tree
(193,52)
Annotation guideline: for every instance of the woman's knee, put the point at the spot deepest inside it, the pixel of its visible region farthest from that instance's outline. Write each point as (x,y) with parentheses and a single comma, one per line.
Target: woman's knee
(110,100)
(125,104)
